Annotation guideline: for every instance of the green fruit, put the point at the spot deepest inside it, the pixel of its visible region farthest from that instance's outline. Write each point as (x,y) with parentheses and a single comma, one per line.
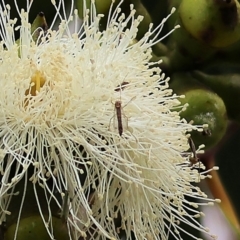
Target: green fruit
(204,107)
(186,52)
(214,22)
(227,86)
(30,206)
(229,53)
(32,228)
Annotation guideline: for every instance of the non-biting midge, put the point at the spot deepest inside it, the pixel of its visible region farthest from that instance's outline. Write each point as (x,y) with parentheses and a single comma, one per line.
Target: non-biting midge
(118,108)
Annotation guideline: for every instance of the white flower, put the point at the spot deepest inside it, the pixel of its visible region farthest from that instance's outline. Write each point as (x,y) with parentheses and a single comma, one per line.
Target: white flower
(59,128)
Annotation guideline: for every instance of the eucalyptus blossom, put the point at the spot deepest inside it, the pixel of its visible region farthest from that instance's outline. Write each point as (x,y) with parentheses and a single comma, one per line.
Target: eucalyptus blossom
(85,112)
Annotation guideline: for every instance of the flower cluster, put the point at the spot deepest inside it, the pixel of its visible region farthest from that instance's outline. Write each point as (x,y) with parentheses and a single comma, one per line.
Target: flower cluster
(86,113)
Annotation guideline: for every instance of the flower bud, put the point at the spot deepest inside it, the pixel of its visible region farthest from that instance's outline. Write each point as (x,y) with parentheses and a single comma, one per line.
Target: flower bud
(204,107)
(227,86)
(33,228)
(214,22)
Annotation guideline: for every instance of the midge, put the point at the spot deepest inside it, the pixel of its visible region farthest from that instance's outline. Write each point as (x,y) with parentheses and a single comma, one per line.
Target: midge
(118,108)
(193,159)
(121,119)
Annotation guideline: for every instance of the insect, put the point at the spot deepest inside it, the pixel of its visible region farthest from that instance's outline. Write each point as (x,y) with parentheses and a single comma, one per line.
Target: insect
(118,108)
(121,86)
(194,159)
(120,119)
(206,132)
